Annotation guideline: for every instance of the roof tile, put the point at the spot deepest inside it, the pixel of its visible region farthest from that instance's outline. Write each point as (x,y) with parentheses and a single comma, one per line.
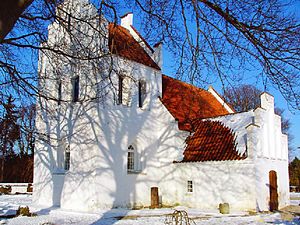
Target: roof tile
(186,102)
(122,43)
(211,141)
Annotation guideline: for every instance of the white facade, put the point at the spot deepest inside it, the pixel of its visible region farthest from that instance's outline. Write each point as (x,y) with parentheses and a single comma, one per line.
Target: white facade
(96,133)
(259,131)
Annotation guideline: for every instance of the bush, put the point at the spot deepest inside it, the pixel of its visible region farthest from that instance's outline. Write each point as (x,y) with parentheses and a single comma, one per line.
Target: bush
(24,211)
(5,190)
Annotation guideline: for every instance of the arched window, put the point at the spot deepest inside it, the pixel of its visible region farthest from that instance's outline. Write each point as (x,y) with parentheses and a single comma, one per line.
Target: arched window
(142,92)
(130,159)
(135,160)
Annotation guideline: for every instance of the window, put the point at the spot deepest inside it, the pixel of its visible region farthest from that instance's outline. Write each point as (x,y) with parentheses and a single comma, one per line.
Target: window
(190,186)
(124,90)
(99,89)
(69,22)
(59,97)
(142,92)
(63,156)
(135,160)
(130,158)
(67,158)
(120,90)
(60,155)
(75,90)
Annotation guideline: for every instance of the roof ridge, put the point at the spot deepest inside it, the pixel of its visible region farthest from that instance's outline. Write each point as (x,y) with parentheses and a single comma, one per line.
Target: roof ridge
(143,39)
(134,52)
(187,102)
(188,84)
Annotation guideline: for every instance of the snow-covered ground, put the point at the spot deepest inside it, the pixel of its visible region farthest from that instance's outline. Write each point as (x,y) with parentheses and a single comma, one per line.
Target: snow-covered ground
(54,216)
(294,198)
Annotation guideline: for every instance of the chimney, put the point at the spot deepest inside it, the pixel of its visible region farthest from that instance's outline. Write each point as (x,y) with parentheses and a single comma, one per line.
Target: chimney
(267,101)
(157,56)
(126,20)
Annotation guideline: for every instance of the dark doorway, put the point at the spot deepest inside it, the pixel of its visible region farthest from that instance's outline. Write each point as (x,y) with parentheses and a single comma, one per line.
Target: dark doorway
(273,191)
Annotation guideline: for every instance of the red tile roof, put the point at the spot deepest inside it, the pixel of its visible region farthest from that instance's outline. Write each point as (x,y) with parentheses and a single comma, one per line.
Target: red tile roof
(122,43)
(186,102)
(212,141)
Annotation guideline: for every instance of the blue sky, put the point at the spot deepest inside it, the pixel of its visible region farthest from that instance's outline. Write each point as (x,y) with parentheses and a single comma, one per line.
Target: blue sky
(251,78)
(292,115)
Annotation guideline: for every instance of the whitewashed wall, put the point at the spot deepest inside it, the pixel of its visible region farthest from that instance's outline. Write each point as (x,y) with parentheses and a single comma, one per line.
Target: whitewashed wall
(259,131)
(271,153)
(263,166)
(98,175)
(99,133)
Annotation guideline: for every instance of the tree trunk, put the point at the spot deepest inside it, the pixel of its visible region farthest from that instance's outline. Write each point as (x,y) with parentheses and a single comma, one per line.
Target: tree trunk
(10,11)
(2,170)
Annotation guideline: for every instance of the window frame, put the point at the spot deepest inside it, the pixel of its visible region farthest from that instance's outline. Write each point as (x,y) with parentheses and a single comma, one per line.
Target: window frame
(190,186)
(59,97)
(131,159)
(98,91)
(120,89)
(75,89)
(141,93)
(63,159)
(134,165)
(68,22)
(67,159)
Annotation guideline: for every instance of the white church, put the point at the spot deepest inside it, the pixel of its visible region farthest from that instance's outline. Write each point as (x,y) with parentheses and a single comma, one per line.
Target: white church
(113,126)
